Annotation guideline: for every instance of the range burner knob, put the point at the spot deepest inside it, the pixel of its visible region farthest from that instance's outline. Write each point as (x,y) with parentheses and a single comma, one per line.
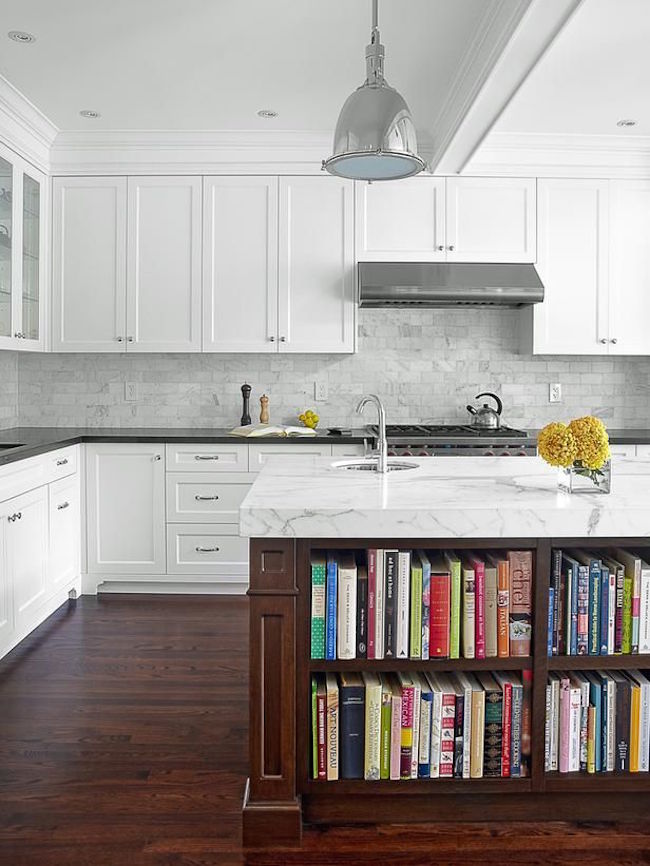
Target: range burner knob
(488,454)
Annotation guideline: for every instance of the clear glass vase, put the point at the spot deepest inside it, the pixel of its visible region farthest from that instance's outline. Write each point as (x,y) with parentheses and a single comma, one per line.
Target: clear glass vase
(579,479)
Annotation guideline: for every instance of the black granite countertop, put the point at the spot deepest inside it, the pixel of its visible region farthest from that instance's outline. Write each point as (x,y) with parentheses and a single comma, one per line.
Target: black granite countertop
(38,440)
(630,436)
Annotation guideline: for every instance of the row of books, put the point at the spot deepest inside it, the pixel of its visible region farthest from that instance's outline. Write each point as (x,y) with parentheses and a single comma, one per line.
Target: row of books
(420,725)
(598,722)
(599,603)
(380,604)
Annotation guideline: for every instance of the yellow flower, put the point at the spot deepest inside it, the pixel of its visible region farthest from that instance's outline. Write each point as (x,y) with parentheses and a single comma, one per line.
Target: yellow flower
(592,441)
(557,444)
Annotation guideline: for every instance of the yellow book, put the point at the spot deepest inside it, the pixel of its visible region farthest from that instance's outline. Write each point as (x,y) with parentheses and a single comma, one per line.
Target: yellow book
(477,741)
(372,760)
(332,727)
(635,718)
(591,739)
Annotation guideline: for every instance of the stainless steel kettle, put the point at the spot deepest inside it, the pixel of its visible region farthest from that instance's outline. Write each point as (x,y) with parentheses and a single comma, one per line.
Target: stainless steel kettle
(486,417)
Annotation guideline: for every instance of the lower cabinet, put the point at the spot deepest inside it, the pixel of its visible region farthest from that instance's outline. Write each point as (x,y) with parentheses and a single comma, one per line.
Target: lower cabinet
(65,523)
(207,549)
(26,541)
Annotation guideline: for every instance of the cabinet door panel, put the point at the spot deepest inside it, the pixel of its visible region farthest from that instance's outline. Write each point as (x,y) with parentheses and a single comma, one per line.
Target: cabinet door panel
(89,264)
(629,293)
(491,219)
(316,265)
(126,509)
(6,588)
(64,532)
(240,243)
(164,264)
(573,223)
(403,220)
(33,267)
(27,542)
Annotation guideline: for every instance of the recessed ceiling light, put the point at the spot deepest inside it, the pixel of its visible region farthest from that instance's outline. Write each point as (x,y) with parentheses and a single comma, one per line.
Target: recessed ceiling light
(21,36)
(88,112)
(267,113)
(626,123)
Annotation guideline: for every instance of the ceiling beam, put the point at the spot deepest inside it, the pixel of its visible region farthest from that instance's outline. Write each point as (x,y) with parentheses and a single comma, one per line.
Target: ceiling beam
(511,39)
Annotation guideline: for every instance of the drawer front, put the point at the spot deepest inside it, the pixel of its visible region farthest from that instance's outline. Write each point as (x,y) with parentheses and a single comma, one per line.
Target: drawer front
(64,532)
(626,450)
(207,458)
(258,454)
(202,548)
(62,463)
(193,498)
(352,449)
(21,476)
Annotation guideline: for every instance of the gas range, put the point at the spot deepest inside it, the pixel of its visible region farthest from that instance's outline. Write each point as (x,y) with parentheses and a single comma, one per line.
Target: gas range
(456,440)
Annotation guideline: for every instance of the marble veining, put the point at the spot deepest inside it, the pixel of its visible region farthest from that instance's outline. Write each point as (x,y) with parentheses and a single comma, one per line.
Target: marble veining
(451,497)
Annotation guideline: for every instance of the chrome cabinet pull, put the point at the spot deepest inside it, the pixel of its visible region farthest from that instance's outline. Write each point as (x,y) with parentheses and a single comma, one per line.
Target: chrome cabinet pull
(603,340)
(206,498)
(207,549)
(206,456)
(120,339)
(283,339)
(451,248)
(129,339)
(271,339)
(157,457)
(14,517)
(63,462)
(62,506)
(614,340)
(441,247)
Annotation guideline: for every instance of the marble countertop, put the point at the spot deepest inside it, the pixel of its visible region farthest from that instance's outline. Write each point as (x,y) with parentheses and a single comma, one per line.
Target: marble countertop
(450,497)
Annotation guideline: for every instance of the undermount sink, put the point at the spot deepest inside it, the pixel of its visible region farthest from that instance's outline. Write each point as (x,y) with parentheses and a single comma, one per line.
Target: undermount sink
(372,465)
(4,445)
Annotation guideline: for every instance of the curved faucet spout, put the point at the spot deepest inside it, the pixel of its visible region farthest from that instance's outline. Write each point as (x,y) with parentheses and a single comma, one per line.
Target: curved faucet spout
(382,444)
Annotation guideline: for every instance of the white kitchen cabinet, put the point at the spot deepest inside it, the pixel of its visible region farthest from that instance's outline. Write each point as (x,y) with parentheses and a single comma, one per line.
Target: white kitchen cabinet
(259,454)
(207,457)
(26,538)
(163,289)
(403,220)
(64,526)
(6,588)
(22,254)
(240,264)
(89,264)
(216,552)
(573,262)
(205,498)
(316,265)
(126,508)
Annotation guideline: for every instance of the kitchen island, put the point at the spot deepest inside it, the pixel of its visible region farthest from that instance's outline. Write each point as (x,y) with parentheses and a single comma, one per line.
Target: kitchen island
(485,504)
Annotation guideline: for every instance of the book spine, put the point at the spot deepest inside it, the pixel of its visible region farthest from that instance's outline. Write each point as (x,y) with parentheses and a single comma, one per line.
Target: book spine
(584,723)
(491,639)
(594,609)
(390,611)
(380,609)
(447,734)
(644,726)
(351,734)
(572,611)
(459,736)
(503,609)
(548,710)
(415,641)
(635,710)
(556,576)
(521,582)
(591,739)
(526,721)
(424,747)
(620,593)
(372,601)
(314,728)
(549,625)
(362,613)
(346,628)
(439,608)
(515,736)
(561,603)
(626,644)
(604,611)
(406,740)
(317,611)
(469,614)
(426,611)
(436,723)
(321,709)
(330,647)
(467,733)
(372,756)
(456,604)
(644,613)
(478,734)
(479,588)
(506,726)
(386,732)
(552,726)
(583,611)
(402,605)
(395,735)
(493,734)
(622,726)
(332,734)
(611,619)
(416,730)
(636,606)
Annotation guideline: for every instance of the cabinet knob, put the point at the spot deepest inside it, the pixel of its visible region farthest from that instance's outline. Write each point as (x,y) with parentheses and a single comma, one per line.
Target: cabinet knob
(451,247)
(62,506)
(441,247)
(120,339)
(614,340)
(207,549)
(129,339)
(603,340)
(283,339)
(271,339)
(157,457)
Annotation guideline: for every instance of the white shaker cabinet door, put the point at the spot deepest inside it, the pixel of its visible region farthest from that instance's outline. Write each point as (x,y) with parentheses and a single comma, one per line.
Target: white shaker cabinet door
(125,505)
(164,264)
(65,520)
(26,523)
(89,264)
(629,287)
(240,264)
(316,265)
(6,588)
(490,219)
(573,252)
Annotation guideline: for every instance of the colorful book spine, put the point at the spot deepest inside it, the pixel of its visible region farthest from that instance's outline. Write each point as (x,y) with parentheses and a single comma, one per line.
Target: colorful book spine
(406,740)
(644,611)
(331,596)
(447,733)
(390,608)
(469,613)
(611,619)
(521,583)
(346,627)
(479,624)
(395,730)
(456,604)
(515,736)
(436,725)
(526,722)
(380,611)
(352,726)
(362,612)
(459,736)
(332,692)
(623,696)
(549,625)
(426,604)
(620,604)
(493,732)
(372,601)
(503,608)
(439,631)
(424,745)
(572,579)
(318,574)
(402,600)
(594,607)
(582,648)
(604,610)
(416,725)
(626,645)
(386,729)
(591,739)
(556,580)
(314,728)
(415,637)
(491,595)
(321,710)
(372,728)
(506,728)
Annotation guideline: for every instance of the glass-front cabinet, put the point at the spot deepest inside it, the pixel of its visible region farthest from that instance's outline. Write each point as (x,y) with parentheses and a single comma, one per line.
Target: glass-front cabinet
(22,234)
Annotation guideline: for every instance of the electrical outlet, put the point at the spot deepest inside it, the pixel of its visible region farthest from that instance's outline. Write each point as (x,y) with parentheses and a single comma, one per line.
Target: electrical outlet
(320,391)
(555,392)
(130,392)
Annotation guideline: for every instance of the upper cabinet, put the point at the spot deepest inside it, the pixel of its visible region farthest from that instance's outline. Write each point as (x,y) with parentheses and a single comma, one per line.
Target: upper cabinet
(22,244)
(429,219)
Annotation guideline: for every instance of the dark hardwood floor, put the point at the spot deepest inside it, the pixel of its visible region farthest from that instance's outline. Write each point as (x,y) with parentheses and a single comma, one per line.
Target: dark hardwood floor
(123,737)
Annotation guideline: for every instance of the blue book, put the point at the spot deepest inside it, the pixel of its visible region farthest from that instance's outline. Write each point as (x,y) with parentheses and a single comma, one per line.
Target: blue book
(594,607)
(595,698)
(604,609)
(426,696)
(515,730)
(571,567)
(426,603)
(352,703)
(582,639)
(330,596)
(551,603)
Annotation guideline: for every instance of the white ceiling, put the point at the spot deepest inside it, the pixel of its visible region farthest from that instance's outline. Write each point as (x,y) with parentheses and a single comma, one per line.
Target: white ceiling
(596,72)
(211,64)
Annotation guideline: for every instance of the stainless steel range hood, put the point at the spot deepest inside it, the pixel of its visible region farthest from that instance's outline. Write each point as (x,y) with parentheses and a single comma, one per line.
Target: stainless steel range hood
(438,284)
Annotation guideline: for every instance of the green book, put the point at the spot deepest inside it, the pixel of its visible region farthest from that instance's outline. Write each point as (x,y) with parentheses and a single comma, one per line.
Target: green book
(453,564)
(415,641)
(627,615)
(318,572)
(386,709)
(314,729)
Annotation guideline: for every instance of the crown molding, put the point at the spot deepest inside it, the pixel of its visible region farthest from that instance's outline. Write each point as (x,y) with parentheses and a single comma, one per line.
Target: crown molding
(24,128)
(560,155)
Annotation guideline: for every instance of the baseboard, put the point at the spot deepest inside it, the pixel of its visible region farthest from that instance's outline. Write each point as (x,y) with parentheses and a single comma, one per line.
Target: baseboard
(92,584)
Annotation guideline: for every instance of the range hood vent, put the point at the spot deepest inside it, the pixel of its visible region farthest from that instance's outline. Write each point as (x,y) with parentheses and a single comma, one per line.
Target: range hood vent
(438,284)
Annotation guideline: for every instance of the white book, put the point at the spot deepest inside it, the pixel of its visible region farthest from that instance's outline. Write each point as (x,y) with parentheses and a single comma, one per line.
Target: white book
(372,731)
(380,592)
(555,722)
(402,600)
(611,720)
(611,614)
(583,684)
(575,710)
(490,610)
(424,745)
(416,725)
(395,730)
(644,721)
(346,626)
(644,611)
(466,685)
(436,726)
(468,611)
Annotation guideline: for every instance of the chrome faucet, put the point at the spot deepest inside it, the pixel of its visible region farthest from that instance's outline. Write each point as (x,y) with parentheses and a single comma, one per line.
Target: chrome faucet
(382,444)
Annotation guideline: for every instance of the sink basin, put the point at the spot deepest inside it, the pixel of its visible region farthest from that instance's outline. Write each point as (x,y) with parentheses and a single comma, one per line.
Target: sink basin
(371,465)
(4,445)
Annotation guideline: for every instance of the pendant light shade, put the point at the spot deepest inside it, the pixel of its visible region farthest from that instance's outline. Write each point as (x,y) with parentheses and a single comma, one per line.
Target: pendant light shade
(375,137)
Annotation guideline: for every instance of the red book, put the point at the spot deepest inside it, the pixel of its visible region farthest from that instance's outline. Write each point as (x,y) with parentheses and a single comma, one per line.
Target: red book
(406,740)
(372,601)
(321,727)
(506,728)
(447,728)
(479,621)
(439,612)
(521,595)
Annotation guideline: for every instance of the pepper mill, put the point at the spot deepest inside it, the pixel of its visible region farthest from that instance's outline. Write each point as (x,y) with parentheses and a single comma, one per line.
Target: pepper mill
(246,395)
(264,409)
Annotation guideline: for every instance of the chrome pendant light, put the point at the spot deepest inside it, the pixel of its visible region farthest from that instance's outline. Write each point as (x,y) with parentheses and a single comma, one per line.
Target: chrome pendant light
(375,136)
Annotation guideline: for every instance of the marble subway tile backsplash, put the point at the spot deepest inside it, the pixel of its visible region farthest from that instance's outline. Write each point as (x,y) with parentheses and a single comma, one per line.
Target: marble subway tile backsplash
(425,364)
(8,389)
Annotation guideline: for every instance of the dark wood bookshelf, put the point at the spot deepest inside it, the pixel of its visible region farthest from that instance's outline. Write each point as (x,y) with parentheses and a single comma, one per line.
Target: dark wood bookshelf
(593,663)
(415,786)
(514,663)
(597,782)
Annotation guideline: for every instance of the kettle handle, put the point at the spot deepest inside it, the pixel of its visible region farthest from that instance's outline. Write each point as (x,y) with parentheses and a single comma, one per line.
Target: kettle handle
(494,397)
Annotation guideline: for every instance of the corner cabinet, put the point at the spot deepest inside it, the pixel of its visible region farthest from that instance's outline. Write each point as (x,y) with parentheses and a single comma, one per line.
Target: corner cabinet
(22,254)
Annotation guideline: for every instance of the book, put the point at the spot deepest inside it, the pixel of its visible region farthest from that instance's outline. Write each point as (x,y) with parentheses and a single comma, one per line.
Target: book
(549,623)
(346,626)
(321,726)
(604,611)
(440,609)
(417,693)
(372,726)
(314,727)
(644,609)
(591,739)
(447,725)
(556,584)
(622,720)
(632,565)
(406,738)
(424,742)
(426,602)
(507,682)
(372,601)
(635,721)
(395,727)
(569,725)
(570,569)
(479,605)
(436,726)
(626,643)
(318,571)
(581,587)
(644,720)
(459,730)
(254,431)
(390,607)
(526,722)
(402,602)
(467,683)
(503,605)
(332,698)
(493,725)
(521,584)
(595,700)
(456,594)
(351,725)
(330,603)
(491,607)
(380,609)
(477,740)
(415,619)
(469,610)
(386,727)
(362,612)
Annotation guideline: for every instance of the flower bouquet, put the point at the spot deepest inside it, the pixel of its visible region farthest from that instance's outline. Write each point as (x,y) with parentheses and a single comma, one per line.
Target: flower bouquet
(581,450)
